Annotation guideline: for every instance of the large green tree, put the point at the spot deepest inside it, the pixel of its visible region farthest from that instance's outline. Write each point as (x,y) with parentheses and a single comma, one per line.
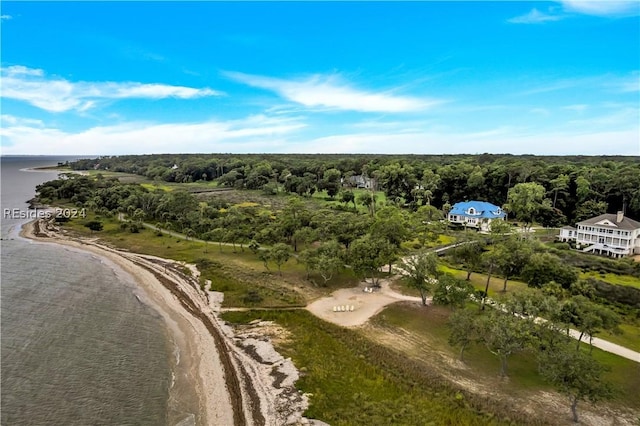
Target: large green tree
(470,255)
(504,334)
(525,201)
(559,185)
(368,254)
(397,180)
(421,272)
(575,374)
(463,329)
(512,255)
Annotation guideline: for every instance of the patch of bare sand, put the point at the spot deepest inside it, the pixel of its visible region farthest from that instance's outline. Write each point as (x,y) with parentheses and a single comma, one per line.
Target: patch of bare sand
(365,304)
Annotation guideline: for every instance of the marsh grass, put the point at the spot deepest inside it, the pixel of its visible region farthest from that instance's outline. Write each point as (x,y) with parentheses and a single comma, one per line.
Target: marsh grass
(615,279)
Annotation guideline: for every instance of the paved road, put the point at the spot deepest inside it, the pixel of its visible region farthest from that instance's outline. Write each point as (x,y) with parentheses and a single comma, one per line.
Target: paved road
(609,347)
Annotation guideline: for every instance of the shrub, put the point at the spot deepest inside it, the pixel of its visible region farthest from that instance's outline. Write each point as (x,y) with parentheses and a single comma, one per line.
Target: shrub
(94,225)
(253,297)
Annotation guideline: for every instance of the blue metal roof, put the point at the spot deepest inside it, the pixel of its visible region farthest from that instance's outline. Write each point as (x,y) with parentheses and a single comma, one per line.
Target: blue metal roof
(482,209)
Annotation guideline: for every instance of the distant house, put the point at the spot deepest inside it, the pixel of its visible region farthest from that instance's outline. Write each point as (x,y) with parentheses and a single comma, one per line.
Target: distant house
(611,234)
(475,214)
(361,181)
(174,167)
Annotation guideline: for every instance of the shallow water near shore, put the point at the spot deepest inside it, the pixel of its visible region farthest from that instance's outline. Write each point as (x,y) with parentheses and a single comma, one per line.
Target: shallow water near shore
(78,344)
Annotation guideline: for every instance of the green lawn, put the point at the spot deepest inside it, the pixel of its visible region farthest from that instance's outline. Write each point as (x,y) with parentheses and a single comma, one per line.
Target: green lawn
(154,186)
(630,337)
(479,281)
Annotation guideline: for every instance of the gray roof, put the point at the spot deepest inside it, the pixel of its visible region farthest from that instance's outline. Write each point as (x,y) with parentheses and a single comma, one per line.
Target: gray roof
(569,227)
(626,223)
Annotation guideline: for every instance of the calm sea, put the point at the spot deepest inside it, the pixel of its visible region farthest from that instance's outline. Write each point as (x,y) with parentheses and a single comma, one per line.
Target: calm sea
(78,348)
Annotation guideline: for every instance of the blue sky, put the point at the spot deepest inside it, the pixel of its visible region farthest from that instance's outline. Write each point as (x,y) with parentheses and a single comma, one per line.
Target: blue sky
(321,77)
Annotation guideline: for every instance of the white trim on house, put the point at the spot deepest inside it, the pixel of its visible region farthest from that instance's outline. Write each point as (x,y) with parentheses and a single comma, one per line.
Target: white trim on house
(605,235)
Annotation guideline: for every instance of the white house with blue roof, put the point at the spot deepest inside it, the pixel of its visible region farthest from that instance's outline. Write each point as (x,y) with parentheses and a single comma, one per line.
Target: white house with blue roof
(475,214)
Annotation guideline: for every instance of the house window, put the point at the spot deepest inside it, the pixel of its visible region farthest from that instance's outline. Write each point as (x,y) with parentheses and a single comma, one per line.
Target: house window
(472,210)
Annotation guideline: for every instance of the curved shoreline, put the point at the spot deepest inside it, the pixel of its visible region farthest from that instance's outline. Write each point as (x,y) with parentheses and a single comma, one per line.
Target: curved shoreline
(229,376)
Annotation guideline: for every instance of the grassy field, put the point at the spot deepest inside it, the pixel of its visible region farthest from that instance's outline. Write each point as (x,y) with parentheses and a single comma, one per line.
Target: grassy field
(353,381)
(479,281)
(524,377)
(623,280)
(122,177)
(629,338)
(381,198)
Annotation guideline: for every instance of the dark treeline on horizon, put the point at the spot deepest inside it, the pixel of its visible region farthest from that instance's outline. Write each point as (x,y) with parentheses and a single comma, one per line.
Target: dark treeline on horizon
(577,186)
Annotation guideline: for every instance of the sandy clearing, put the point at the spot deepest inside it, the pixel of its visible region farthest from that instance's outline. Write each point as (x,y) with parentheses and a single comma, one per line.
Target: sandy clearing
(365,304)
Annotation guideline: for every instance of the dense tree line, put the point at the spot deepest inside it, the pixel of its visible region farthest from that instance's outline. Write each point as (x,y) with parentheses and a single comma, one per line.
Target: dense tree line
(576,187)
(325,239)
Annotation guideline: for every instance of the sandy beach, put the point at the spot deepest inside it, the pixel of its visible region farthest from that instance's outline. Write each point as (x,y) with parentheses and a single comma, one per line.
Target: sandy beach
(238,379)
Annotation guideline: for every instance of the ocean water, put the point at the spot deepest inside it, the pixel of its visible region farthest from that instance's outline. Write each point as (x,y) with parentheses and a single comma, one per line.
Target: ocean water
(77,346)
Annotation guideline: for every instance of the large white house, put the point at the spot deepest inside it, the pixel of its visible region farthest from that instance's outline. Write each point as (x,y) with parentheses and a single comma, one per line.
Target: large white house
(610,234)
(475,214)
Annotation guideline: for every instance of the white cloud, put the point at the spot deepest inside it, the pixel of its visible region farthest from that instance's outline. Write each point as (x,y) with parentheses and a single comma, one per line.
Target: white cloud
(619,118)
(252,134)
(10,120)
(534,17)
(540,111)
(629,84)
(5,17)
(17,70)
(330,92)
(608,82)
(500,140)
(608,8)
(605,9)
(59,95)
(268,134)
(577,107)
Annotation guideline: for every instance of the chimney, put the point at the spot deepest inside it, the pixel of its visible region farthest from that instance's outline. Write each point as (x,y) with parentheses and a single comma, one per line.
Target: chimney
(619,217)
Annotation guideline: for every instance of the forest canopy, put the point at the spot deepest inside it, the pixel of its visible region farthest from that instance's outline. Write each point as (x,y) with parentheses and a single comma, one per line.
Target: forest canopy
(576,187)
